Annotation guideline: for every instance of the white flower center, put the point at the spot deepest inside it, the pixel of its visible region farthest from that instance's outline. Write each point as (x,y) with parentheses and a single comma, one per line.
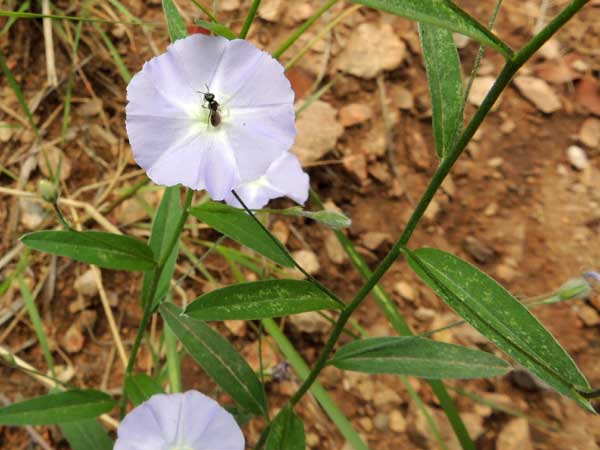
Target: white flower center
(181,447)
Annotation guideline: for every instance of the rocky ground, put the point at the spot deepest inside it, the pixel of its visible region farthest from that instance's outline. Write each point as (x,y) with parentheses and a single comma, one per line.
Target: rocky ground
(522,204)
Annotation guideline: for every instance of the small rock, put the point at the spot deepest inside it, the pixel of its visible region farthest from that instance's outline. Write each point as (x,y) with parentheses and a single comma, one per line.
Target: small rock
(308,260)
(334,249)
(478,251)
(54,155)
(588,315)
(372,48)
(577,157)
(514,436)
(281,231)
(491,209)
(425,314)
(299,12)
(538,92)
(87,318)
(474,424)
(131,211)
(381,394)
(373,239)
(85,284)
(270,10)
(461,40)
(356,165)
(402,98)
(508,126)
(366,424)
(318,132)
(90,108)
(73,340)
(587,94)
(505,273)
(480,88)
(406,291)
(379,171)
(432,210)
(589,134)
(381,421)
(312,440)
(237,327)
(6,132)
(397,422)
(354,114)
(551,49)
(229,5)
(495,162)
(310,322)
(32,213)
(79,304)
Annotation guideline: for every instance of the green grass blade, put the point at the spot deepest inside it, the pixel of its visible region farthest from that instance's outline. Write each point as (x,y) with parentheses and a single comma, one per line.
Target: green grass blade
(121,67)
(11,20)
(18,92)
(175,24)
(249,19)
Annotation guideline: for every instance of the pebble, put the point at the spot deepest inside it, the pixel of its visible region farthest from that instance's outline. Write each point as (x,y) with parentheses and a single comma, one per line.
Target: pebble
(577,157)
(72,341)
(308,260)
(310,322)
(366,424)
(588,315)
(334,249)
(478,251)
(32,213)
(402,98)
(374,239)
(397,422)
(54,155)
(354,114)
(589,134)
(237,327)
(480,88)
(318,132)
(381,421)
(85,284)
(406,291)
(229,5)
(270,10)
(505,273)
(515,436)
(281,231)
(432,210)
(538,92)
(90,108)
(424,314)
(372,48)
(312,440)
(356,165)
(6,132)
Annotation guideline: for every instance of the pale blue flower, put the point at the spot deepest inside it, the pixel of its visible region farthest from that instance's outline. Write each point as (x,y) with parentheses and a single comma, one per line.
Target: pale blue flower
(188,421)
(168,116)
(283,178)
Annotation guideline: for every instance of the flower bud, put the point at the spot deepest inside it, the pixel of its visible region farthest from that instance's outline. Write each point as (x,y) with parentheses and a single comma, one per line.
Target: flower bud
(574,288)
(48,191)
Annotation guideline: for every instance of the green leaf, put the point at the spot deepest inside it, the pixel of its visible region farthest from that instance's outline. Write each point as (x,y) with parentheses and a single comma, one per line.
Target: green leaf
(441,13)
(287,432)
(175,24)
(86,434)
(164,226)
(445,84)
(140,387)
(219,359)
(61,407)
(260,300)
(332,219)
(239,226)
(12,82)
(217,28)
(419,357)
(499,316)
(107,250)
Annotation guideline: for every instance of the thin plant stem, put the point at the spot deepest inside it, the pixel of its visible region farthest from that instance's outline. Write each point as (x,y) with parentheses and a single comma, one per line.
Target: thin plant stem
(510,68)
(278,244)
(302,28)
(173,369)
(149,304)
(206,11)
(249,19)
(36,321)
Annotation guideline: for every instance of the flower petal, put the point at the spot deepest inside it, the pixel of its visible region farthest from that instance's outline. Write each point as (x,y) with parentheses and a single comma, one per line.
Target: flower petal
(247,76)
(199,56)
(140,430)
(259,136)
(287,176)
(284,178)
(221,172)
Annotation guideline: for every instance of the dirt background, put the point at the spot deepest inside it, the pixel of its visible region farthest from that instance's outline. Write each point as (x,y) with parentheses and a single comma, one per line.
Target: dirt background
(522,204)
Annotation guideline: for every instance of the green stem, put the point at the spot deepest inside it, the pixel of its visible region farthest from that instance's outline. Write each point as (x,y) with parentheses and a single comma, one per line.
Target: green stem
(302,28)
(303,371)
(249,19)
(173,369)
(152,293)
(510,68)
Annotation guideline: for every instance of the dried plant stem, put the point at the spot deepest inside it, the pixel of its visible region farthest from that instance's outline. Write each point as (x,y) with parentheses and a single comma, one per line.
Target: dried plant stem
(49,45)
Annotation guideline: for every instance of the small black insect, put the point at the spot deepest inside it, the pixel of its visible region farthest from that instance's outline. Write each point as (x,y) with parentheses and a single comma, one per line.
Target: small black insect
(214,116)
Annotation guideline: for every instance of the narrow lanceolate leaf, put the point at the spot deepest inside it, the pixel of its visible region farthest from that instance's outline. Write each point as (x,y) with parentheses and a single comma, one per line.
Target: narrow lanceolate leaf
(175,24)
(499,316)
(239,226)
(287,432)
(219,359)
(445,84)
(86,434)
(57,408)
(217,28)
(164,226)
(260,300)
(441,13)
(140,387)
(107,250)
(419,357)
